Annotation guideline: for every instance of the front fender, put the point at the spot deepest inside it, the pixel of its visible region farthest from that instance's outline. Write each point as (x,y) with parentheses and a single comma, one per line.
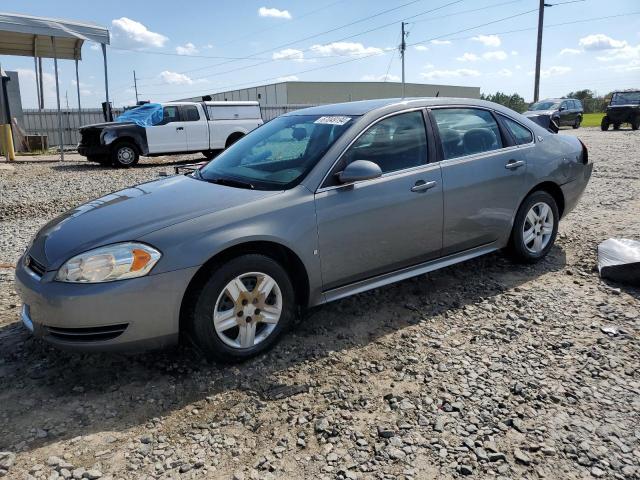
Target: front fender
(287,219)
(131,133)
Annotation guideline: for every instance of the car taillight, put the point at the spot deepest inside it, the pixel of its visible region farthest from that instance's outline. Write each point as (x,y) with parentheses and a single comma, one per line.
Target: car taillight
(585,152)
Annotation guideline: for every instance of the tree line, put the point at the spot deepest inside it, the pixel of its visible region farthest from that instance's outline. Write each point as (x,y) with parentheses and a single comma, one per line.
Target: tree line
(590,100)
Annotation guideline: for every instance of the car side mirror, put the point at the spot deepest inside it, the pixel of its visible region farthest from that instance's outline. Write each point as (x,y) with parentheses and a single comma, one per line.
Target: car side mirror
(562,109)
(359,170)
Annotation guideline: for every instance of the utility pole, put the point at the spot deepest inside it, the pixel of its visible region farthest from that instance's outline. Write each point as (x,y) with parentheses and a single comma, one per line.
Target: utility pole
(135,85)
(536,87)
(403,47)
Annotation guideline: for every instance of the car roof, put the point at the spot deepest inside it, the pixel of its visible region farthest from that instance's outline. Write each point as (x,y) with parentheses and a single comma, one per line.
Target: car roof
(363,107)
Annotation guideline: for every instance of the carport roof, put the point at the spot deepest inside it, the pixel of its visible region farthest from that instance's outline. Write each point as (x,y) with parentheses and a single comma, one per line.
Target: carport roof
(30,36)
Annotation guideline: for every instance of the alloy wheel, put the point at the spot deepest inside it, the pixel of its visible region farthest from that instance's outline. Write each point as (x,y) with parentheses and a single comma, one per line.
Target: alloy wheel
(538,227)
(247,310)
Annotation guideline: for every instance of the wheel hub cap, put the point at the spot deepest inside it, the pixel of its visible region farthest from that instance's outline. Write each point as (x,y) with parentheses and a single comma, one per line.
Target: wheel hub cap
(247,310)
(538,227)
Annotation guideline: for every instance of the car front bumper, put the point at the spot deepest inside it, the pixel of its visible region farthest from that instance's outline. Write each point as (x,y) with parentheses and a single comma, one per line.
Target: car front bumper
(127,315)
(93,150)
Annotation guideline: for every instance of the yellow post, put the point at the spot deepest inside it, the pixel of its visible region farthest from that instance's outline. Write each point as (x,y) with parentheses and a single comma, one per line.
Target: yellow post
(5,134)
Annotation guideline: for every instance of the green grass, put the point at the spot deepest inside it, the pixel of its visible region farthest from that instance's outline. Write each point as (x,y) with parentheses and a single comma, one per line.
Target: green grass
(592,119)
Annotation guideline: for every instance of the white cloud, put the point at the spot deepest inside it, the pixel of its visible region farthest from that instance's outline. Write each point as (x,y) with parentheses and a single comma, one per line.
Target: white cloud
(514,53)
(94,46)
(380,78)
(440,42)
(354,49)
(175,78)
(505,72)
(570,51)
(186,49)
(600,41)
(468,57)
(131,33)
(274,13)
(289,54)
(632,66)
(495,55)
(208,45)
(288,78)
(488,40)
(460,72)
(554,71)
(421,48)
(627,52)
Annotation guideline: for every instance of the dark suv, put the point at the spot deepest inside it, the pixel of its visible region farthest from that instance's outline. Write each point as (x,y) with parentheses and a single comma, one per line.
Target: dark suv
(623,108)
(561,111)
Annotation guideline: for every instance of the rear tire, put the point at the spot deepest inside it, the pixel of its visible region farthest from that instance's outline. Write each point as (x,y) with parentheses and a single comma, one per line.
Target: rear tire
(604,124)
(231,321)
(535,228)
(635,125)
(124,155)
(233,138)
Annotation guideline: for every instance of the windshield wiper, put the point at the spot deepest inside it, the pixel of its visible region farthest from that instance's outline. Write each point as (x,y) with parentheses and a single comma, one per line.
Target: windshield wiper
(230,182)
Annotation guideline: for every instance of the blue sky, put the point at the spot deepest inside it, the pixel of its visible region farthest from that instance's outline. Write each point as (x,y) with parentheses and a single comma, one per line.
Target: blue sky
(173,45)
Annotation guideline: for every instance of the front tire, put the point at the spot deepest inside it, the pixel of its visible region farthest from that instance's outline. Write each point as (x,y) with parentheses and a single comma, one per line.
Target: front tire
(577,123)
(604,124)
(242,309)
(535,228)
(635,124)
(124,155)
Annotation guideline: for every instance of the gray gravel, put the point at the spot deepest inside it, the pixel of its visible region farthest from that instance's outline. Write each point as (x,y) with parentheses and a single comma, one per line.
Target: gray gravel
(481,370)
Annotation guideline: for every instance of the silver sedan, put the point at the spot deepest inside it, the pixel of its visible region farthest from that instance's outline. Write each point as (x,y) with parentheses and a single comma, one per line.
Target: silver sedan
(314,206)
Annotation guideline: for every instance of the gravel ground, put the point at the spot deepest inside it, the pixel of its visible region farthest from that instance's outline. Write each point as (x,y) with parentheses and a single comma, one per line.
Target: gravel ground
(485,369)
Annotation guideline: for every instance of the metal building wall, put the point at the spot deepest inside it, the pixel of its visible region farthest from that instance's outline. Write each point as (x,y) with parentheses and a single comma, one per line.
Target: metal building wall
(314,93)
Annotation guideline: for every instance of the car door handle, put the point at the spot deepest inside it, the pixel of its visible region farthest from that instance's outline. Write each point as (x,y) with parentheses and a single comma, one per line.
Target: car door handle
(422,186)
(513,164)
(179,128)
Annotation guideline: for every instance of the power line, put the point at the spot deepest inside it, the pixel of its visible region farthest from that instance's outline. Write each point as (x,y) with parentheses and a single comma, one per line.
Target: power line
(292,56)
(229,86)
(273,49)
(367,56)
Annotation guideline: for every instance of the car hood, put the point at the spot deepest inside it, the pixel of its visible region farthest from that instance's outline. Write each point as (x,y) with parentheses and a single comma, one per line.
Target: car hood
(131,213)
(100,126)
(533,113)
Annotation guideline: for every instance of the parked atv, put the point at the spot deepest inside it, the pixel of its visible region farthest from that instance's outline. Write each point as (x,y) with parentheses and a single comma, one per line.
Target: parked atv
(623,108)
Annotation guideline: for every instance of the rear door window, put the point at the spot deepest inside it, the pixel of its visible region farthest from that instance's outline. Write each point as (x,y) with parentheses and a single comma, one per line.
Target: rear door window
(466,131)
(521,134)
(190,113)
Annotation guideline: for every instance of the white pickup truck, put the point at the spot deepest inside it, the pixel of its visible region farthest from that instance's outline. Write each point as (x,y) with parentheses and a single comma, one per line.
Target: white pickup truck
(182,127)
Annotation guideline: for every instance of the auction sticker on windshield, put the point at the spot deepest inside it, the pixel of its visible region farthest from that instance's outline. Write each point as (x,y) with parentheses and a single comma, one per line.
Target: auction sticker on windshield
(333,120)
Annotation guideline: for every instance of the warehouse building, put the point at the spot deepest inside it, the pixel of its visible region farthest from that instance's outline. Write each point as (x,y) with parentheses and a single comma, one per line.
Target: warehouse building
(316,93)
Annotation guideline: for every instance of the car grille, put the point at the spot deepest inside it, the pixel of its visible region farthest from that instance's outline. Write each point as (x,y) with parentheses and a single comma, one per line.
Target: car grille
(36,267)
(90,137)
(87,334)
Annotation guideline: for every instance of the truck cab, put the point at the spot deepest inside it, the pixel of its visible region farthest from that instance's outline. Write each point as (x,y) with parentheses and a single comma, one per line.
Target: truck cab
(171,128)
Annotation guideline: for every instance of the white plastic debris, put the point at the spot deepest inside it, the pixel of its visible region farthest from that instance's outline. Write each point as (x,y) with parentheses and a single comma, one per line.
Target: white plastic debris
(619,260)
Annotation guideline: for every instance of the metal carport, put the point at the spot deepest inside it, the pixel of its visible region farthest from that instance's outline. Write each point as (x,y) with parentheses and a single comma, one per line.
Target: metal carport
(42,37)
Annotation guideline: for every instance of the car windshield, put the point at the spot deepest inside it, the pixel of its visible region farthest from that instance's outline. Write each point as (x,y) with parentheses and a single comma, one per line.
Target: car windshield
(544,105)
(626,98)
(277,155)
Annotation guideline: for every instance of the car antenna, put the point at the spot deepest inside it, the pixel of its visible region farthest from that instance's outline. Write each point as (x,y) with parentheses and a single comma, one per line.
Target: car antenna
(437,93)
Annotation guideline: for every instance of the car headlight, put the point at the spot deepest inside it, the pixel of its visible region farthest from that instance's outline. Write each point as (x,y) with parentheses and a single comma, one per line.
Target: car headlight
(107,264)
